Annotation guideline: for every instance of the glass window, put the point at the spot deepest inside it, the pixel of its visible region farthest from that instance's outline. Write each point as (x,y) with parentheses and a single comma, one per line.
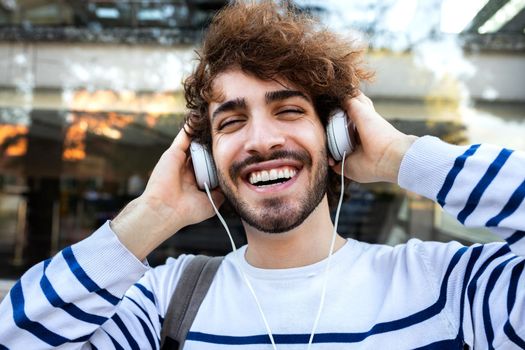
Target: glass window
(90,97)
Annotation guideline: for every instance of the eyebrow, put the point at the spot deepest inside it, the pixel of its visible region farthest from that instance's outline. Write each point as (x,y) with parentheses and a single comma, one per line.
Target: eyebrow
(231,105)
(271,96)
(279,95)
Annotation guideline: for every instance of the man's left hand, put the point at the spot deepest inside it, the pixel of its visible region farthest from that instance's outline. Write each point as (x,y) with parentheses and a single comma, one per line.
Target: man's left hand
(381,147)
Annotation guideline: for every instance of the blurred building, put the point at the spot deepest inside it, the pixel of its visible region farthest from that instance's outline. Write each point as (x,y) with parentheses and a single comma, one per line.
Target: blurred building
(90,96)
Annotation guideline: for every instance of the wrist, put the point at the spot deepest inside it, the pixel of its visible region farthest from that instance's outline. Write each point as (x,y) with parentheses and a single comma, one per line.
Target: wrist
(390,163)
(143,225)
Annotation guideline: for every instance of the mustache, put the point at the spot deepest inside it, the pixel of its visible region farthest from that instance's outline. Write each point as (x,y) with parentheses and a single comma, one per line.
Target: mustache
(301,156)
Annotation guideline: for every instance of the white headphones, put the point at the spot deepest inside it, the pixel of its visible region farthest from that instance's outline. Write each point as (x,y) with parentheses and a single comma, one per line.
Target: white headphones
(203,166)
(340,133)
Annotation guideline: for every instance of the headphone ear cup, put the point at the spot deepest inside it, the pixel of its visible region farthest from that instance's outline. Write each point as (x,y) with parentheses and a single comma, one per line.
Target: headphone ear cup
(340,135)
(332,145)
(203,166)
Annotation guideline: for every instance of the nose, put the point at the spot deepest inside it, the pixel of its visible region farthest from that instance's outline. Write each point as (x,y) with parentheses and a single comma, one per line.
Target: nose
(263,136)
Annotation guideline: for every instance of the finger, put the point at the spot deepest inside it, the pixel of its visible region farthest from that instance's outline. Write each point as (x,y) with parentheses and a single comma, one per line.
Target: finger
(358,100)
(182,140)
(358,111)
(364,99)
(337,166)
(347,171)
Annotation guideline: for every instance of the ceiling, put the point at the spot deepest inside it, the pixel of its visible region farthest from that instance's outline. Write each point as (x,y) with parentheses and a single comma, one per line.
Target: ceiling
(383,22)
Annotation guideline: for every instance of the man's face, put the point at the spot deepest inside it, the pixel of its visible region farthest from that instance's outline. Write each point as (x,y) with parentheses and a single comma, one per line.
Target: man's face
(269,149)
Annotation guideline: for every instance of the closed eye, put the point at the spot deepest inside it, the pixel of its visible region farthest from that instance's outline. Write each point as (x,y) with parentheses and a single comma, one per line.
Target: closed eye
(290,113)
(291,110)
(229,123)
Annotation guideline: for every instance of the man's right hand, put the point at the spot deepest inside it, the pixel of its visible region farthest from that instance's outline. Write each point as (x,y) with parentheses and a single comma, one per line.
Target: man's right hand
(170,201)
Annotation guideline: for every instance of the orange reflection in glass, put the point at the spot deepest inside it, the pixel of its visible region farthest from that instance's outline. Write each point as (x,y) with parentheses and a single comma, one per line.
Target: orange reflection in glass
(156,104)
(74,145)
(103,124)
(106,113)
(15,138)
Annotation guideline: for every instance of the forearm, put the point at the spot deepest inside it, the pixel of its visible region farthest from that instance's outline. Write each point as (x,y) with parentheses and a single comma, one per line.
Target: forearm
(143,225)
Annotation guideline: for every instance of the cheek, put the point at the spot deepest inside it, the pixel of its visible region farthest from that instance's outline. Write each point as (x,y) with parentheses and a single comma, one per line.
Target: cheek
(315,139)
(315,131)
(223,153)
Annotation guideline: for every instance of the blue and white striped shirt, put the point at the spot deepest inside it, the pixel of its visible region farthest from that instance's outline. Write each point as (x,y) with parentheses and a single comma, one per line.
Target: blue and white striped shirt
(419,295)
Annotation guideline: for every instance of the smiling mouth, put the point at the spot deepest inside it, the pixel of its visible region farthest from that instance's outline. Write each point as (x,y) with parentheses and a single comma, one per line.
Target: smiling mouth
(272,176)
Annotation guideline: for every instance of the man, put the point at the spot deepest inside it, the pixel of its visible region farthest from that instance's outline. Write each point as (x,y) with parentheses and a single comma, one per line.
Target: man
(259,97)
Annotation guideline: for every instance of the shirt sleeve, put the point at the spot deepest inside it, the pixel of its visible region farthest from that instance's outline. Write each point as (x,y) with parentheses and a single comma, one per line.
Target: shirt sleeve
(88,293)
(480,185)
(482,286)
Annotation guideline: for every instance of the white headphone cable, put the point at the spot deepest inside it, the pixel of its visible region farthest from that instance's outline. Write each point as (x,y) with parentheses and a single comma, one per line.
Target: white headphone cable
(239,266)
(325,282)
(332,245)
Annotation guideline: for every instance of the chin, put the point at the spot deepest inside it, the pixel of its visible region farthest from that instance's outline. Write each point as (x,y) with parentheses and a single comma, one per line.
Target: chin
(278,214)
(275,216)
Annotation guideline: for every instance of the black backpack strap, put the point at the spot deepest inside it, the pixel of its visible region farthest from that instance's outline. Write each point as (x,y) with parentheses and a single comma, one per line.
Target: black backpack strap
(186,300)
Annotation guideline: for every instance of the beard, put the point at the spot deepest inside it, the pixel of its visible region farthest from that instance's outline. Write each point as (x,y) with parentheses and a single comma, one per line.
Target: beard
(278,215)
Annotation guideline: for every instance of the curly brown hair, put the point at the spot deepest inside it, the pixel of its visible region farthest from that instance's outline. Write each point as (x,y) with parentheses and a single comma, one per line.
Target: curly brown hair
(274,41)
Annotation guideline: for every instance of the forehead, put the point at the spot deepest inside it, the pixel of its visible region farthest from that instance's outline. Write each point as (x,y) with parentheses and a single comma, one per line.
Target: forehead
(235,84)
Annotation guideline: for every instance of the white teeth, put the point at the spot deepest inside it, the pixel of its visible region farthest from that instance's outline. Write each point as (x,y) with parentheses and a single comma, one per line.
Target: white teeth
(271,175)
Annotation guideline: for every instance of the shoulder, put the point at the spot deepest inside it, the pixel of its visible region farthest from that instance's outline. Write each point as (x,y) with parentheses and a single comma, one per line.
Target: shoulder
(414,257)
(447,261)
(161,280)
(413,247)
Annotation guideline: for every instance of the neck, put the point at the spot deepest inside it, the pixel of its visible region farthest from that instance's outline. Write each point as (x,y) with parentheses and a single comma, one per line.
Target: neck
(304,245)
